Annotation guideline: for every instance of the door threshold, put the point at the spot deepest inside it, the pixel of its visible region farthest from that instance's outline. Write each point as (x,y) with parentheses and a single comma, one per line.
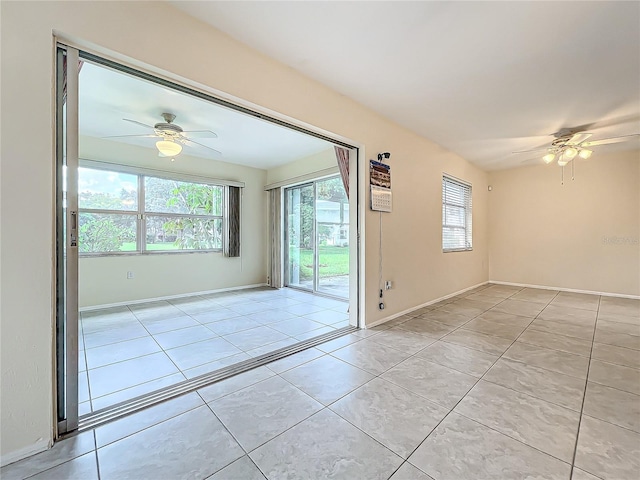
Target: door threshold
(129,407)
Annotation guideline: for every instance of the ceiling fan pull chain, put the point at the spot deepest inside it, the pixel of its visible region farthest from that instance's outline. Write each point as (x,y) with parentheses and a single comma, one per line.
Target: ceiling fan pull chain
(573,171)
(562,182)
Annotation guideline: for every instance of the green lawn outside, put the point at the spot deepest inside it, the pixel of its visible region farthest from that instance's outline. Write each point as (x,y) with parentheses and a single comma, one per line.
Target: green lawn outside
(332,261)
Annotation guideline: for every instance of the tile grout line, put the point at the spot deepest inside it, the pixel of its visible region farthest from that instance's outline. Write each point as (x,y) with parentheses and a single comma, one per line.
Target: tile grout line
(472,387)
(584,396)
(163,350)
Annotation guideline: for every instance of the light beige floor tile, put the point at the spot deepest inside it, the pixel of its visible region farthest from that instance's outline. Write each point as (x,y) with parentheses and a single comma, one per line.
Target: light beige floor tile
(409,472)
(478,341)
(498,329)
(182,448)
(60,453)
(241,469)
(616,376)
(554,360)
(84,467)
(326,379)
(460,448)
(540,424)
(370,356)
(575,316)
(535,295)
(429,328)
(617,318)
(518,307)
(148,417)
(325,446)
(576,300)
(582,475)
(465,360)
(294,360)
(408,418)
(612,405)
(560,327)
(618,355)
(403,340)
(608,451)
(439,384)
(553,387)
(447,318)
(256,414)
(235,383)
(556,342)
(620,306)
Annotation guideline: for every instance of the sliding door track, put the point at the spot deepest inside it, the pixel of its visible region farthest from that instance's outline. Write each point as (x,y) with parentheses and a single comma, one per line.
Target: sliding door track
(128,407)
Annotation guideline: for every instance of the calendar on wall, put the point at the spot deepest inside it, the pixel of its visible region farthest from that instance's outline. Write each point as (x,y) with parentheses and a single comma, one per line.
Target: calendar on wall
(380,184)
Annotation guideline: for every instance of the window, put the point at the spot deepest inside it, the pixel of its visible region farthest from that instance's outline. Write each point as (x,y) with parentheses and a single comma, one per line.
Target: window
(137,213)
(456,215)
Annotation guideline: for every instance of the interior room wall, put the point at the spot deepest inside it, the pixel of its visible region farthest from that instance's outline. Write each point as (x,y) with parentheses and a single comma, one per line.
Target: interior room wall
(310,164)
(132,31)
(584,235)
(103,280)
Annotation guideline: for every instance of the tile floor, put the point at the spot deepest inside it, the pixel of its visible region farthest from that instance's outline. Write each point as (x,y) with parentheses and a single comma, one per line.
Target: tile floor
(132,350)
(498,383)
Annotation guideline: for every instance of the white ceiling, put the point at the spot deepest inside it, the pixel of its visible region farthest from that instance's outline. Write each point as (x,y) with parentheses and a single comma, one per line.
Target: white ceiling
(482,79)
(107,97)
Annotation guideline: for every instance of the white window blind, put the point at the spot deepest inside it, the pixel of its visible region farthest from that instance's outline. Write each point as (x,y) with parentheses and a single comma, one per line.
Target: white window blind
(456,215)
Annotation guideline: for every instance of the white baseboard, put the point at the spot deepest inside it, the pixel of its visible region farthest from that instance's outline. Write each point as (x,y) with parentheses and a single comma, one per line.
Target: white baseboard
(40,446)
(561,289)
(170,297)
(417,307)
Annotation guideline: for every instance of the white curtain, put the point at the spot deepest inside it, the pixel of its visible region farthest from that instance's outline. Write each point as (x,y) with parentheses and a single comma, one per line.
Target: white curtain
(275,237)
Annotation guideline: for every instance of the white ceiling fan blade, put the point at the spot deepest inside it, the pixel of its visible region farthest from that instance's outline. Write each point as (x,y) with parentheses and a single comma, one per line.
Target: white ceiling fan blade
(205,146)
(124,136)
(578,138)
(539,149)
(139,123)
(200,134)
(607,141)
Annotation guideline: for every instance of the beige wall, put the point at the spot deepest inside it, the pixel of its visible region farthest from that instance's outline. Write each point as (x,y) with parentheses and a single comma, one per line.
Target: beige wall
(103,280)
(413,258)
(304,166)
(583,235)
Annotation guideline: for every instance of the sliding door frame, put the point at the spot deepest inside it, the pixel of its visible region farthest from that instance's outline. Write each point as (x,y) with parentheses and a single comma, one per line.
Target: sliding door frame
(67,312)
(66,148)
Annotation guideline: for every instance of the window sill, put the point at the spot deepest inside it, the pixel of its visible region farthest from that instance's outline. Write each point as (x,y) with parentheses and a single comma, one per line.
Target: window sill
(146,254)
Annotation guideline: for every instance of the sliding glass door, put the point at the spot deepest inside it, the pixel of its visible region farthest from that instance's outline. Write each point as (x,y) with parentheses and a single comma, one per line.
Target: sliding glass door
(300,233)
(317,237)
(332,220)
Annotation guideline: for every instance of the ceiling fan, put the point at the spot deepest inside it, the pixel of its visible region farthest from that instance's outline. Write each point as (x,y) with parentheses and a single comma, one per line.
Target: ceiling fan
(171,136)
(570,143)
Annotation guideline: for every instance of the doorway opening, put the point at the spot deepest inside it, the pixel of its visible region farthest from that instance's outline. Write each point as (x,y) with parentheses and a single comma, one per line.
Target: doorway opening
(161,253)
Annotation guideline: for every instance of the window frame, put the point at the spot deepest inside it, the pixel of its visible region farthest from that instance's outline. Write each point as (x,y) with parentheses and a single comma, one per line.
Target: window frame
(141,214)
(468,214)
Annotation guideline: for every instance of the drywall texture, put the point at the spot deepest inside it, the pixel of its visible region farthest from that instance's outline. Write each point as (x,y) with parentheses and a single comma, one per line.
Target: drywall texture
(583,235)
(132,31)
(103,280)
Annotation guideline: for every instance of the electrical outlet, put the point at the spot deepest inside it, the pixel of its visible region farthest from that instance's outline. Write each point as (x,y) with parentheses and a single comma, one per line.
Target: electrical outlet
(129,275)
(388,285)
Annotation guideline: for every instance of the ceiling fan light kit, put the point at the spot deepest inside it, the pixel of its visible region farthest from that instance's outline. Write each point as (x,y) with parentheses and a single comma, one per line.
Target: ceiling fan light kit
(571,143)
(168,148)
